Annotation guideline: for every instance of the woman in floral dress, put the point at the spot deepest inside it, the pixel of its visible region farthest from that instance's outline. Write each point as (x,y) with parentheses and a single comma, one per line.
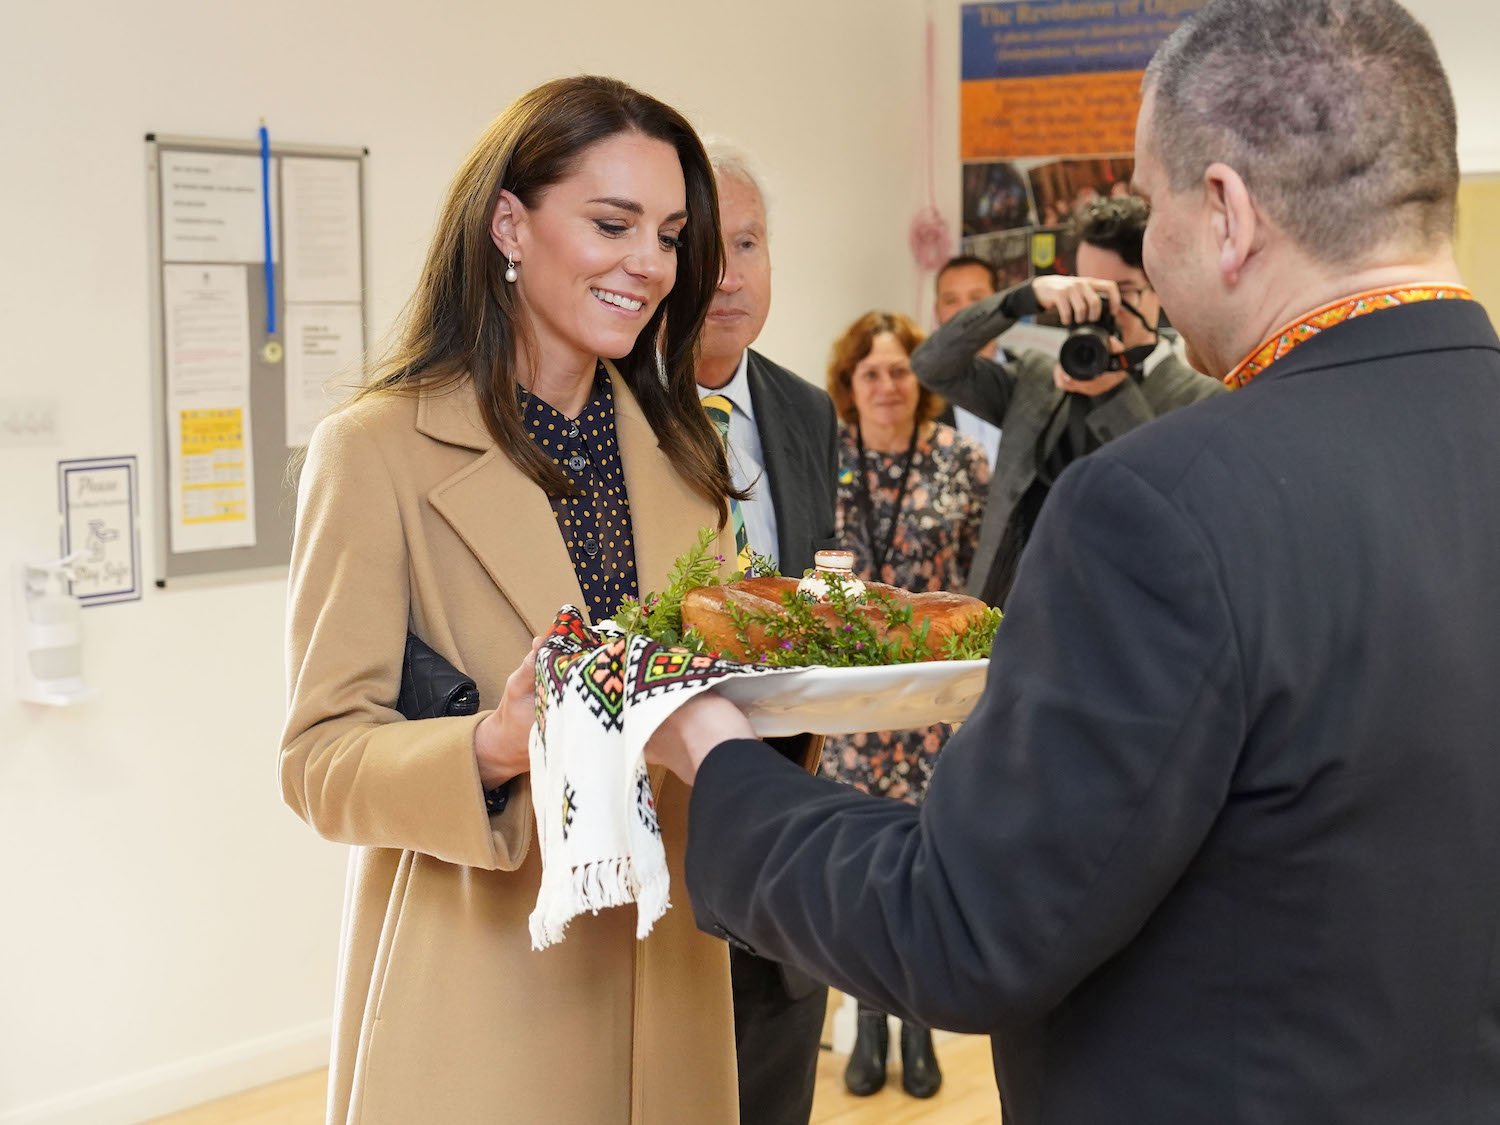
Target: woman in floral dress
(911,497)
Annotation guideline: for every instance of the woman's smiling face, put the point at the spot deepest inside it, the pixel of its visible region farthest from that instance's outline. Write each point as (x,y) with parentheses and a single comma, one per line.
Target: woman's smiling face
(597,253)
(885,390)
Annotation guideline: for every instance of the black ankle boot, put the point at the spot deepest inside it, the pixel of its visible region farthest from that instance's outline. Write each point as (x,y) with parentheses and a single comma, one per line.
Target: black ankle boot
(920,1076)
(865,1073)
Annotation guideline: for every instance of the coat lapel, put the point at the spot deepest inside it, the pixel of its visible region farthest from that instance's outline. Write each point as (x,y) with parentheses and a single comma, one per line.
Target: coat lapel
(501,515)
(505,519)
(772,423)
(665,511)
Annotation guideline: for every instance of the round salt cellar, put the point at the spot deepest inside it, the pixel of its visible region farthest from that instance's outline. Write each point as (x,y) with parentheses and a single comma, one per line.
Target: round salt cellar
(827,564)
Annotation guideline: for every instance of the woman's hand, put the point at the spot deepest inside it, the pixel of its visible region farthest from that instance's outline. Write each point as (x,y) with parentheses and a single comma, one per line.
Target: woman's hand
(502,738)
(687,735)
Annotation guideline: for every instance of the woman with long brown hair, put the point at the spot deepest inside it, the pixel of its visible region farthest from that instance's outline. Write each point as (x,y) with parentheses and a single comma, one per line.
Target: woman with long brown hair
(534,439)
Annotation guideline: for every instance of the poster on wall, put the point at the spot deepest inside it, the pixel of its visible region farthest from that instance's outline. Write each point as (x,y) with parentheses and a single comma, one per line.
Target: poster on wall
(98,499)
(323,238)
(212,208)
(1048,100)
(323,348)
(210,470)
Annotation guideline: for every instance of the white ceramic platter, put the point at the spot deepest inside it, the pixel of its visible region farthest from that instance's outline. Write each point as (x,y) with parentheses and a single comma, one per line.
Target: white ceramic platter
(848,700)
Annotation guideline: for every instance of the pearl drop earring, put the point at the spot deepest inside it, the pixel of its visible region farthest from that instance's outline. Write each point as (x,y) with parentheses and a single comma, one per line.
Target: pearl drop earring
(510,269)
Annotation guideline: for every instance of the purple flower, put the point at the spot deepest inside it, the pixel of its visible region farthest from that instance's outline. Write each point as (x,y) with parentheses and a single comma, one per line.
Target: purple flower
(848,628)
(859,646)
(718,558)
(786,644)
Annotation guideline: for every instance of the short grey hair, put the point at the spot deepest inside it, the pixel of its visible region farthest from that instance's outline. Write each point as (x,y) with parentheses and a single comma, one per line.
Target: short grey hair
(1337,114)
(730,162)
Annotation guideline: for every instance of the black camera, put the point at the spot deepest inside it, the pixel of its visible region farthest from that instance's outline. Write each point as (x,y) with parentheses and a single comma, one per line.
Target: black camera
(1085,353)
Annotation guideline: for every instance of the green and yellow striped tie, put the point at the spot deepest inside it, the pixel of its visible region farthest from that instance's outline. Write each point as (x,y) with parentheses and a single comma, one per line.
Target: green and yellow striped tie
(718,408)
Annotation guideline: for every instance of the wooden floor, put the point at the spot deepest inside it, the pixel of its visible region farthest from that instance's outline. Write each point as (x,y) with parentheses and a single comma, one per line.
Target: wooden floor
(967,1097)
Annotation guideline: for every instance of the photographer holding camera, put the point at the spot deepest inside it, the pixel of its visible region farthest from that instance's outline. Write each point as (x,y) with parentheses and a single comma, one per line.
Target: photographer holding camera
(1115,373)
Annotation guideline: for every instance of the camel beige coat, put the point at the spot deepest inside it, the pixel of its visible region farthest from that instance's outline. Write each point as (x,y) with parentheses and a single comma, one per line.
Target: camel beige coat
(410,515)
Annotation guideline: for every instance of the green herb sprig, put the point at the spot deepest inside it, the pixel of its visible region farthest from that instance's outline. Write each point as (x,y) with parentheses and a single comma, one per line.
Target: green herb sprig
(975,640)
(795,636)
(659,616)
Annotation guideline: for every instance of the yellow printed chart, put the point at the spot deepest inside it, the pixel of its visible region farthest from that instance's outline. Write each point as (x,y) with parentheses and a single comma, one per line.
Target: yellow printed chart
(214,501)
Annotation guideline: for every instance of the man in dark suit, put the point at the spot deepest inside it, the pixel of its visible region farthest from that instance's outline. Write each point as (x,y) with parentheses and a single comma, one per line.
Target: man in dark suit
(1050,419)
(1221,841)
(783,449)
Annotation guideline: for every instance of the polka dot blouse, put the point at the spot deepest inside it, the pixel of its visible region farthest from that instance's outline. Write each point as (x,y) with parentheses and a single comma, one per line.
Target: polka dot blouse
(595,518)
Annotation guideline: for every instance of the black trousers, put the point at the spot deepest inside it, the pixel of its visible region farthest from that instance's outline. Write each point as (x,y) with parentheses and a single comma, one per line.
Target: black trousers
(776,1036)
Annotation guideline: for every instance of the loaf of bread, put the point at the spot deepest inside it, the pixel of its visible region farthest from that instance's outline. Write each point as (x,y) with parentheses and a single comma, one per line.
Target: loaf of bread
(706,609)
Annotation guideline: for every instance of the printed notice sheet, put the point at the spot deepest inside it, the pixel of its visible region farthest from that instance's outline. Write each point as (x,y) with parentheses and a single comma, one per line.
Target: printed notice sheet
(211,474)
(321,201)
(211,208)
(99,527)
(323,346)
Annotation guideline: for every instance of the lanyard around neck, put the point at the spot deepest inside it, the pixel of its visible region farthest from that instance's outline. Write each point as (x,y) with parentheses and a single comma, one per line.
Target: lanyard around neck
(879,551)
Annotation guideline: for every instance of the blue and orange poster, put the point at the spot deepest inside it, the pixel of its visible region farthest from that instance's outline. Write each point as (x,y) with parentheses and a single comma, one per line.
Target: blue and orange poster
(1049,96)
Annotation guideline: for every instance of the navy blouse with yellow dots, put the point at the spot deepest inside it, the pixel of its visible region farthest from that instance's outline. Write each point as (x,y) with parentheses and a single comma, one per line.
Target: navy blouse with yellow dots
(595,518)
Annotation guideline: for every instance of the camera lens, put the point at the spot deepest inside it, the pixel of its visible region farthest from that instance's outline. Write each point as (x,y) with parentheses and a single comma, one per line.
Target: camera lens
(1085,353)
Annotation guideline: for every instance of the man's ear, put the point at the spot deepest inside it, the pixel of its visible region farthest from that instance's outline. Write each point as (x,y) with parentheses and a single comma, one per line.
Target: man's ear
(1234,219)
(506,222)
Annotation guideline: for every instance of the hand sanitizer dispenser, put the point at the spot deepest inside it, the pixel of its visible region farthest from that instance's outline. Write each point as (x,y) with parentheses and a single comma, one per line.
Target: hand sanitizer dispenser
(49,667)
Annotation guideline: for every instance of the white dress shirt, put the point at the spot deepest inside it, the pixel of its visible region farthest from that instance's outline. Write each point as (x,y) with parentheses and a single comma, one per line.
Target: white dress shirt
(747,464)
(987,434)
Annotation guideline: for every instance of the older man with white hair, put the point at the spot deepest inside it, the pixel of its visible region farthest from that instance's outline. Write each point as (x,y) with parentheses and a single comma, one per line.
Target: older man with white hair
(1221,841)
(781,438)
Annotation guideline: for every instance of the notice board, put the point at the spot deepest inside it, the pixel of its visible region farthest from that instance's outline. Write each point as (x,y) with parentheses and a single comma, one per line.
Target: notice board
(257,279)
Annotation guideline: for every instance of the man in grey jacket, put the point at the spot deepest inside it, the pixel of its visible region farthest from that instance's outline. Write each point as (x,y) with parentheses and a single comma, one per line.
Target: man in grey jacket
(1049,418)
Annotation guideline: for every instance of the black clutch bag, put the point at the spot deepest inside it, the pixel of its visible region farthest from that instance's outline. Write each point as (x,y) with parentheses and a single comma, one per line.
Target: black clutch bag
(431,688)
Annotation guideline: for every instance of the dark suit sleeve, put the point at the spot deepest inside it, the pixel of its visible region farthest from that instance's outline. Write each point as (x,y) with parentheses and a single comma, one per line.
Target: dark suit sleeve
(799,440)
(973,479)
(948,361)
(826,488)
(1060,814)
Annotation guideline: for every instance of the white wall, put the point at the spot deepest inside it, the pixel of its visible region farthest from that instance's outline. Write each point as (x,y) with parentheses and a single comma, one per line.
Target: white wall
(167,928)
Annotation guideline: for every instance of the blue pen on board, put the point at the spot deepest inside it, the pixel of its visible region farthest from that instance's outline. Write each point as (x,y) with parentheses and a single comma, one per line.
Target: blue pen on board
(265,211)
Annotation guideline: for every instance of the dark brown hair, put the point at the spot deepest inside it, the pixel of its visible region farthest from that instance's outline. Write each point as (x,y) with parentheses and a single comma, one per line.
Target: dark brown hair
(1116,222)
(465,321)
(963,261)
(1336,113)
(855,344)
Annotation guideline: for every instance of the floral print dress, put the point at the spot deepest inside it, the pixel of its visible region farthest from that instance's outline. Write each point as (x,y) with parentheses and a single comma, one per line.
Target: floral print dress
(932,542)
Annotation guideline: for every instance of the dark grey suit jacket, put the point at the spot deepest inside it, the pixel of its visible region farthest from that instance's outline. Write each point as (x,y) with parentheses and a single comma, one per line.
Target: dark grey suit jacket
(1021,399)
(799,440)
(799,443)
(1221,842)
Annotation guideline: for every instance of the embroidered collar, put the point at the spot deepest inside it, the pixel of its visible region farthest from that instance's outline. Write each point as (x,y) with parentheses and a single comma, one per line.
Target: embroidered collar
(1346,308)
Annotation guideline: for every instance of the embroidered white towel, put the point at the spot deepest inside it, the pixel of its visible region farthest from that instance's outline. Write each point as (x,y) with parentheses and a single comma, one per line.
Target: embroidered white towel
(600,696)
